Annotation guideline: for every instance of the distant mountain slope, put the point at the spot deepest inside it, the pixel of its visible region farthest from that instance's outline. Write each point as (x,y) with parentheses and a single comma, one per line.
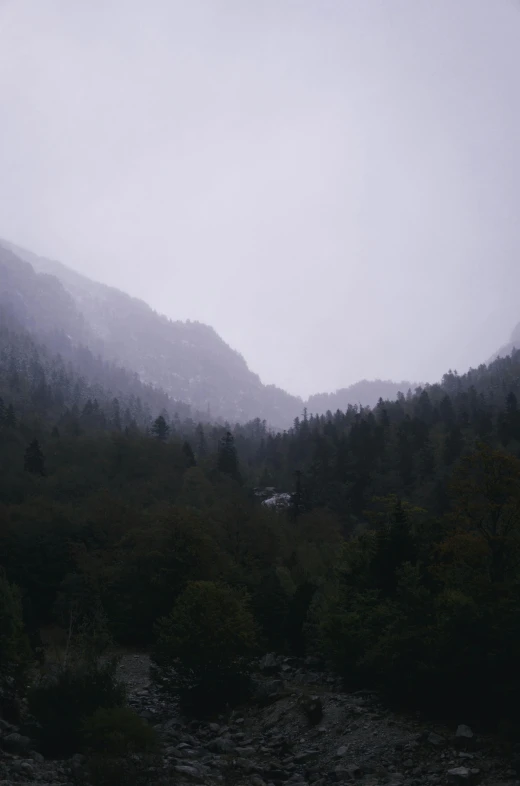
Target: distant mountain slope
(513,343)
(38,319)
(77,388)
(188,360)
(365,392)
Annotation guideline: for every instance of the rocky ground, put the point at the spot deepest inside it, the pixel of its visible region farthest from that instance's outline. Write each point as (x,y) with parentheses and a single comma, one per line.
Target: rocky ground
(301,729)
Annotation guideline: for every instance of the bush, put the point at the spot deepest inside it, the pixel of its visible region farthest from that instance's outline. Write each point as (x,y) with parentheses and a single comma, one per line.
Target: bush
(61,702)
(118,731)
(205,646)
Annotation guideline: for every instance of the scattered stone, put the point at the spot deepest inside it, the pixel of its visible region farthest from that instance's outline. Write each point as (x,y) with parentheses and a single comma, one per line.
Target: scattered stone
(287,744)
(306,756)
(269,663)
(16,743)
(312,707)
(435,739)
(464,737)
(266,692)
(189,772)
(221,745)
(459,775)
(24,768)
(354,771)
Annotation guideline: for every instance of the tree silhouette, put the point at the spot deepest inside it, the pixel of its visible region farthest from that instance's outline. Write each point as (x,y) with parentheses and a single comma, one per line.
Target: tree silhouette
(189,455)
(227,456)
(34,461)
(160,429)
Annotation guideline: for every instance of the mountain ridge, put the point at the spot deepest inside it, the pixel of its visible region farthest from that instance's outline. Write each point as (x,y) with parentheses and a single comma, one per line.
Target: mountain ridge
(186,359)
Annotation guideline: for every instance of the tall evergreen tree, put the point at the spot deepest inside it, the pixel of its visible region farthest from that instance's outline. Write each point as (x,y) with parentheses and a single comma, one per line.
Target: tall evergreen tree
(160,429)
(34,461)
(227,461)
(10,417)
(201,446)
(188,454)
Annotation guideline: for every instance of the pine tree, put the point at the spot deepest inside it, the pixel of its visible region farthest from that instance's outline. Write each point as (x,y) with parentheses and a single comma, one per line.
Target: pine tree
(10,417)
(202,447)
(188,454)
(227,457)
(160,429)
(116,415)
(34,461)
(453,444)
(394,546)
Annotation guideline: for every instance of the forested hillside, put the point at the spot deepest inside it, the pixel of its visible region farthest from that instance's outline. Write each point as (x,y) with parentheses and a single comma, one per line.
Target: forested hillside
(63,387)
(188,360)
(365,393)
(397,561)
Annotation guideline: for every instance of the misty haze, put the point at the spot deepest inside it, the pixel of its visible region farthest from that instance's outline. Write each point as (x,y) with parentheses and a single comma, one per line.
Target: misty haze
(259,392)
(329,185)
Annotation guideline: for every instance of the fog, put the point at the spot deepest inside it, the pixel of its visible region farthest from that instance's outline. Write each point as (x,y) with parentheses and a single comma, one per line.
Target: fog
(332,184)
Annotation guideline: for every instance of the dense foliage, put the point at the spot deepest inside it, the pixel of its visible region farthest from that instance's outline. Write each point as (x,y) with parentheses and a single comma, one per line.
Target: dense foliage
(397,558)
(205,646)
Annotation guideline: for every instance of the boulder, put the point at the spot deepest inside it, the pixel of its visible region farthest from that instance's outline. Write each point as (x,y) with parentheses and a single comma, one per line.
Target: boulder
(460,775)
(16,743)
(192,773)
(221,745)
(269,663)
(24,768)
(436,740)
(265,691)
(464,737)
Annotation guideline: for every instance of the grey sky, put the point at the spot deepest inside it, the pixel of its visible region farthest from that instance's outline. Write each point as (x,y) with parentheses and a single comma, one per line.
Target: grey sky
(332,184)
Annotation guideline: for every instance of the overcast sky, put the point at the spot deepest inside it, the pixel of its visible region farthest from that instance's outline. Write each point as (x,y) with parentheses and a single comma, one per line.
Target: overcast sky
(334,185)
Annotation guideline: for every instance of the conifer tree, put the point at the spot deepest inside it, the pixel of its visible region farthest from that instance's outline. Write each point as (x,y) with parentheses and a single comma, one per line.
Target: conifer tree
(10,417)
(202,447)
(160,429)
(227,457)
(34,461)
(188,454)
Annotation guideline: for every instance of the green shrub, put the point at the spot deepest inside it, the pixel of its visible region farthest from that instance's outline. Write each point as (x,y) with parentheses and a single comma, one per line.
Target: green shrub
(118,731)
(205,646)
(61,702)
